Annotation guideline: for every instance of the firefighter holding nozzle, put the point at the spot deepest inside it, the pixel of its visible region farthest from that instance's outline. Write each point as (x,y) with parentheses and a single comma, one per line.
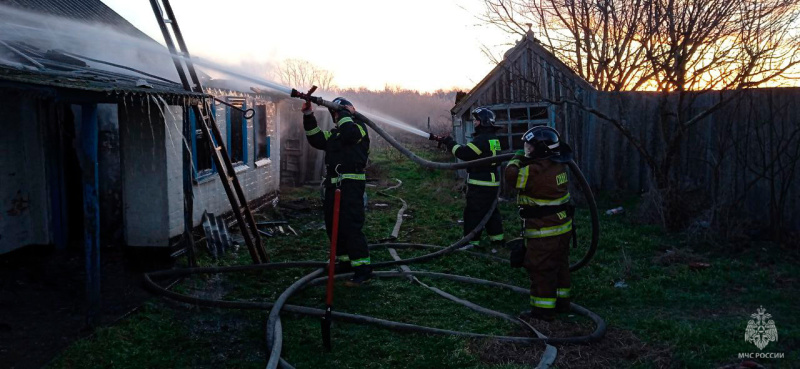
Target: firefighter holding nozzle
(539,173)
(482,181)
(346,149)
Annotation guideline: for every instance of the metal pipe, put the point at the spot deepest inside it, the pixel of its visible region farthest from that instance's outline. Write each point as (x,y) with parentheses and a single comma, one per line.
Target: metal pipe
(244,112)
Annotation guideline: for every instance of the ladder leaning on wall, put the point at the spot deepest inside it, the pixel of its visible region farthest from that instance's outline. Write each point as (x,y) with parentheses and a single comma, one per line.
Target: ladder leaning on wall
(244,217)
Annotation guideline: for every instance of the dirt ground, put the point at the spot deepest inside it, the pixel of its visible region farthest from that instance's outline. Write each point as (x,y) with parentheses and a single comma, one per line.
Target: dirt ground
(617,345)
(43,302)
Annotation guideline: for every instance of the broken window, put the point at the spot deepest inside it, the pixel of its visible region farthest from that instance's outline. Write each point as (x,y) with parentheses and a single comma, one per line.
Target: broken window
(237,132)
(262,139)
(539,113)
(201,152)
(516,119)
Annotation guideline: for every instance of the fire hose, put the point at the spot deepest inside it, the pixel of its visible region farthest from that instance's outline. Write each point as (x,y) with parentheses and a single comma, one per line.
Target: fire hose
(274,333)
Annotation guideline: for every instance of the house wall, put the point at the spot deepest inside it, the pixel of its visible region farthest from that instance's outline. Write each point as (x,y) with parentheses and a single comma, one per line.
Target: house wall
(142,174)
(145,184)
(24,202)
(153,171)
(257,178)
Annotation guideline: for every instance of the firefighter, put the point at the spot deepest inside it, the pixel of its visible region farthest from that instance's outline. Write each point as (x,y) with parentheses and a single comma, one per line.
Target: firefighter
(540,174)
(346,149)
(483,181)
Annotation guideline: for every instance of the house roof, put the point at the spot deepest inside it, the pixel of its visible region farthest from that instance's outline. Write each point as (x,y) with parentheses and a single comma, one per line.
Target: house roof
(91,11)
(90,80)
(24,61)
(528,42)
(21,63)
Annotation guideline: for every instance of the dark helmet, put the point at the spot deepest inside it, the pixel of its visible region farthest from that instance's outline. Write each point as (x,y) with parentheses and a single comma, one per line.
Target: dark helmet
(341,101)
(485,117)
(544,140)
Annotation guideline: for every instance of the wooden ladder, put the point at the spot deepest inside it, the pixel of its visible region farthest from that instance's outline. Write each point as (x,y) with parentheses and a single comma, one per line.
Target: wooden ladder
(233,189)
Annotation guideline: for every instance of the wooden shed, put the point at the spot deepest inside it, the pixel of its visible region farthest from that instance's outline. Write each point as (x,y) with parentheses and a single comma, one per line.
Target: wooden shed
(525,89)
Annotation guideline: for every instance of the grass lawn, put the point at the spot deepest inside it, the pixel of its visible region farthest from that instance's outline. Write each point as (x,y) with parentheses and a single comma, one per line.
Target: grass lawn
(669,315)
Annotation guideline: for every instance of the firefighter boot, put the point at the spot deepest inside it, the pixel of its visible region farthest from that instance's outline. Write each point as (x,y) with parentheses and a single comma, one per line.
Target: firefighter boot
(361,274)
(498,245)
(343,267)
(537,314)
(562,305)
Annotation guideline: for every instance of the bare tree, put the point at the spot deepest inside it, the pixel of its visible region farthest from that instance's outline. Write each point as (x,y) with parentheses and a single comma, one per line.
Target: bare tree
(302,74)
(598,39)
(682,48)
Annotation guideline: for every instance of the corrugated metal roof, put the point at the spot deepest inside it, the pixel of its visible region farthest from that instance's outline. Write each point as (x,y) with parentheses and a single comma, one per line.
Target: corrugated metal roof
(83,10)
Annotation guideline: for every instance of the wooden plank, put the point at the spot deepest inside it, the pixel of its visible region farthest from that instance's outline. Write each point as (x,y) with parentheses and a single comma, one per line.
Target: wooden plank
(91,207)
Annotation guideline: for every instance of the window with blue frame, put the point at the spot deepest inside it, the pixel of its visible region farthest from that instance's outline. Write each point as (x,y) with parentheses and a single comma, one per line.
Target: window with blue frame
(237,132)
(201,152)
(261,137)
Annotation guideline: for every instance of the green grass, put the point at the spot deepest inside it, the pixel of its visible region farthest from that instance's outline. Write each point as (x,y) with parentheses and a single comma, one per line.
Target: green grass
(699,316)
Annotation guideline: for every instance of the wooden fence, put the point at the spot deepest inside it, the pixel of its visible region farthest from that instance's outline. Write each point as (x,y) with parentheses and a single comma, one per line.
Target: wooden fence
(743,155)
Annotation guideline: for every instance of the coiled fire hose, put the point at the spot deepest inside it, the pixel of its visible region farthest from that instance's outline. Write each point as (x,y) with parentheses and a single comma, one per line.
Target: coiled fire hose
(274,333)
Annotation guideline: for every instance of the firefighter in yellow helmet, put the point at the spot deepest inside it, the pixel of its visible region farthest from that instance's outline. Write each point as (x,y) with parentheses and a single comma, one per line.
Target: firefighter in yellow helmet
(539,173)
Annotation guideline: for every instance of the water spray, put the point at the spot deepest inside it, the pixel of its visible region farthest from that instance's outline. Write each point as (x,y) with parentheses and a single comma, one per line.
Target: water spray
(365,117)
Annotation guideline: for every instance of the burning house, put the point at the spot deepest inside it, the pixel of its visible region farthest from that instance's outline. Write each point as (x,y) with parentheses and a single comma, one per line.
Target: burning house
(84,137)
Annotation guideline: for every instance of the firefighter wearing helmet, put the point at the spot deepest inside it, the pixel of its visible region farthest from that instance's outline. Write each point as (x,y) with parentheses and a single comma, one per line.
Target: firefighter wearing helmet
(482,181)
(346,149)
(539,173)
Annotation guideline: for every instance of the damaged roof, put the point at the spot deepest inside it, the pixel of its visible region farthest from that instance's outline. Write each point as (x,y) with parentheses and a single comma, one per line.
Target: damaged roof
(90,11)
(23,63)
(90,80)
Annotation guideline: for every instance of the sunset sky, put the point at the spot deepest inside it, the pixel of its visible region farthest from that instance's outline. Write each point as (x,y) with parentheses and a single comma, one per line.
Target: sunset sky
(416,44)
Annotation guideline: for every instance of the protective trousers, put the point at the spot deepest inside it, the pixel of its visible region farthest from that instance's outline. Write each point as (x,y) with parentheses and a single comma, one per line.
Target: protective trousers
(479,201)
(352,244)
(547,263)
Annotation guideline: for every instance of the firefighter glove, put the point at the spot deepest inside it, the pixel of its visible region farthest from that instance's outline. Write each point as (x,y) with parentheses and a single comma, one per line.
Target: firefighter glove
(448,141)
(306,109)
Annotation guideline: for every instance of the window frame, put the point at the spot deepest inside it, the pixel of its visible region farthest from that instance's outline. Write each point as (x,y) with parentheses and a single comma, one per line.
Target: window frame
(267,138)
(506,132)
(206,173)
(228,130)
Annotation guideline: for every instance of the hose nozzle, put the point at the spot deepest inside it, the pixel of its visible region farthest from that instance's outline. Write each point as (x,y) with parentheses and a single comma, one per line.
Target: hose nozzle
(314,99)
(305,96)
(438,138)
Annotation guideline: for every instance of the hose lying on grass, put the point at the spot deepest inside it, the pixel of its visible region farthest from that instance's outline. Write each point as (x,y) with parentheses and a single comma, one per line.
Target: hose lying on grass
(274,336)
(550,352)
(274,329)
